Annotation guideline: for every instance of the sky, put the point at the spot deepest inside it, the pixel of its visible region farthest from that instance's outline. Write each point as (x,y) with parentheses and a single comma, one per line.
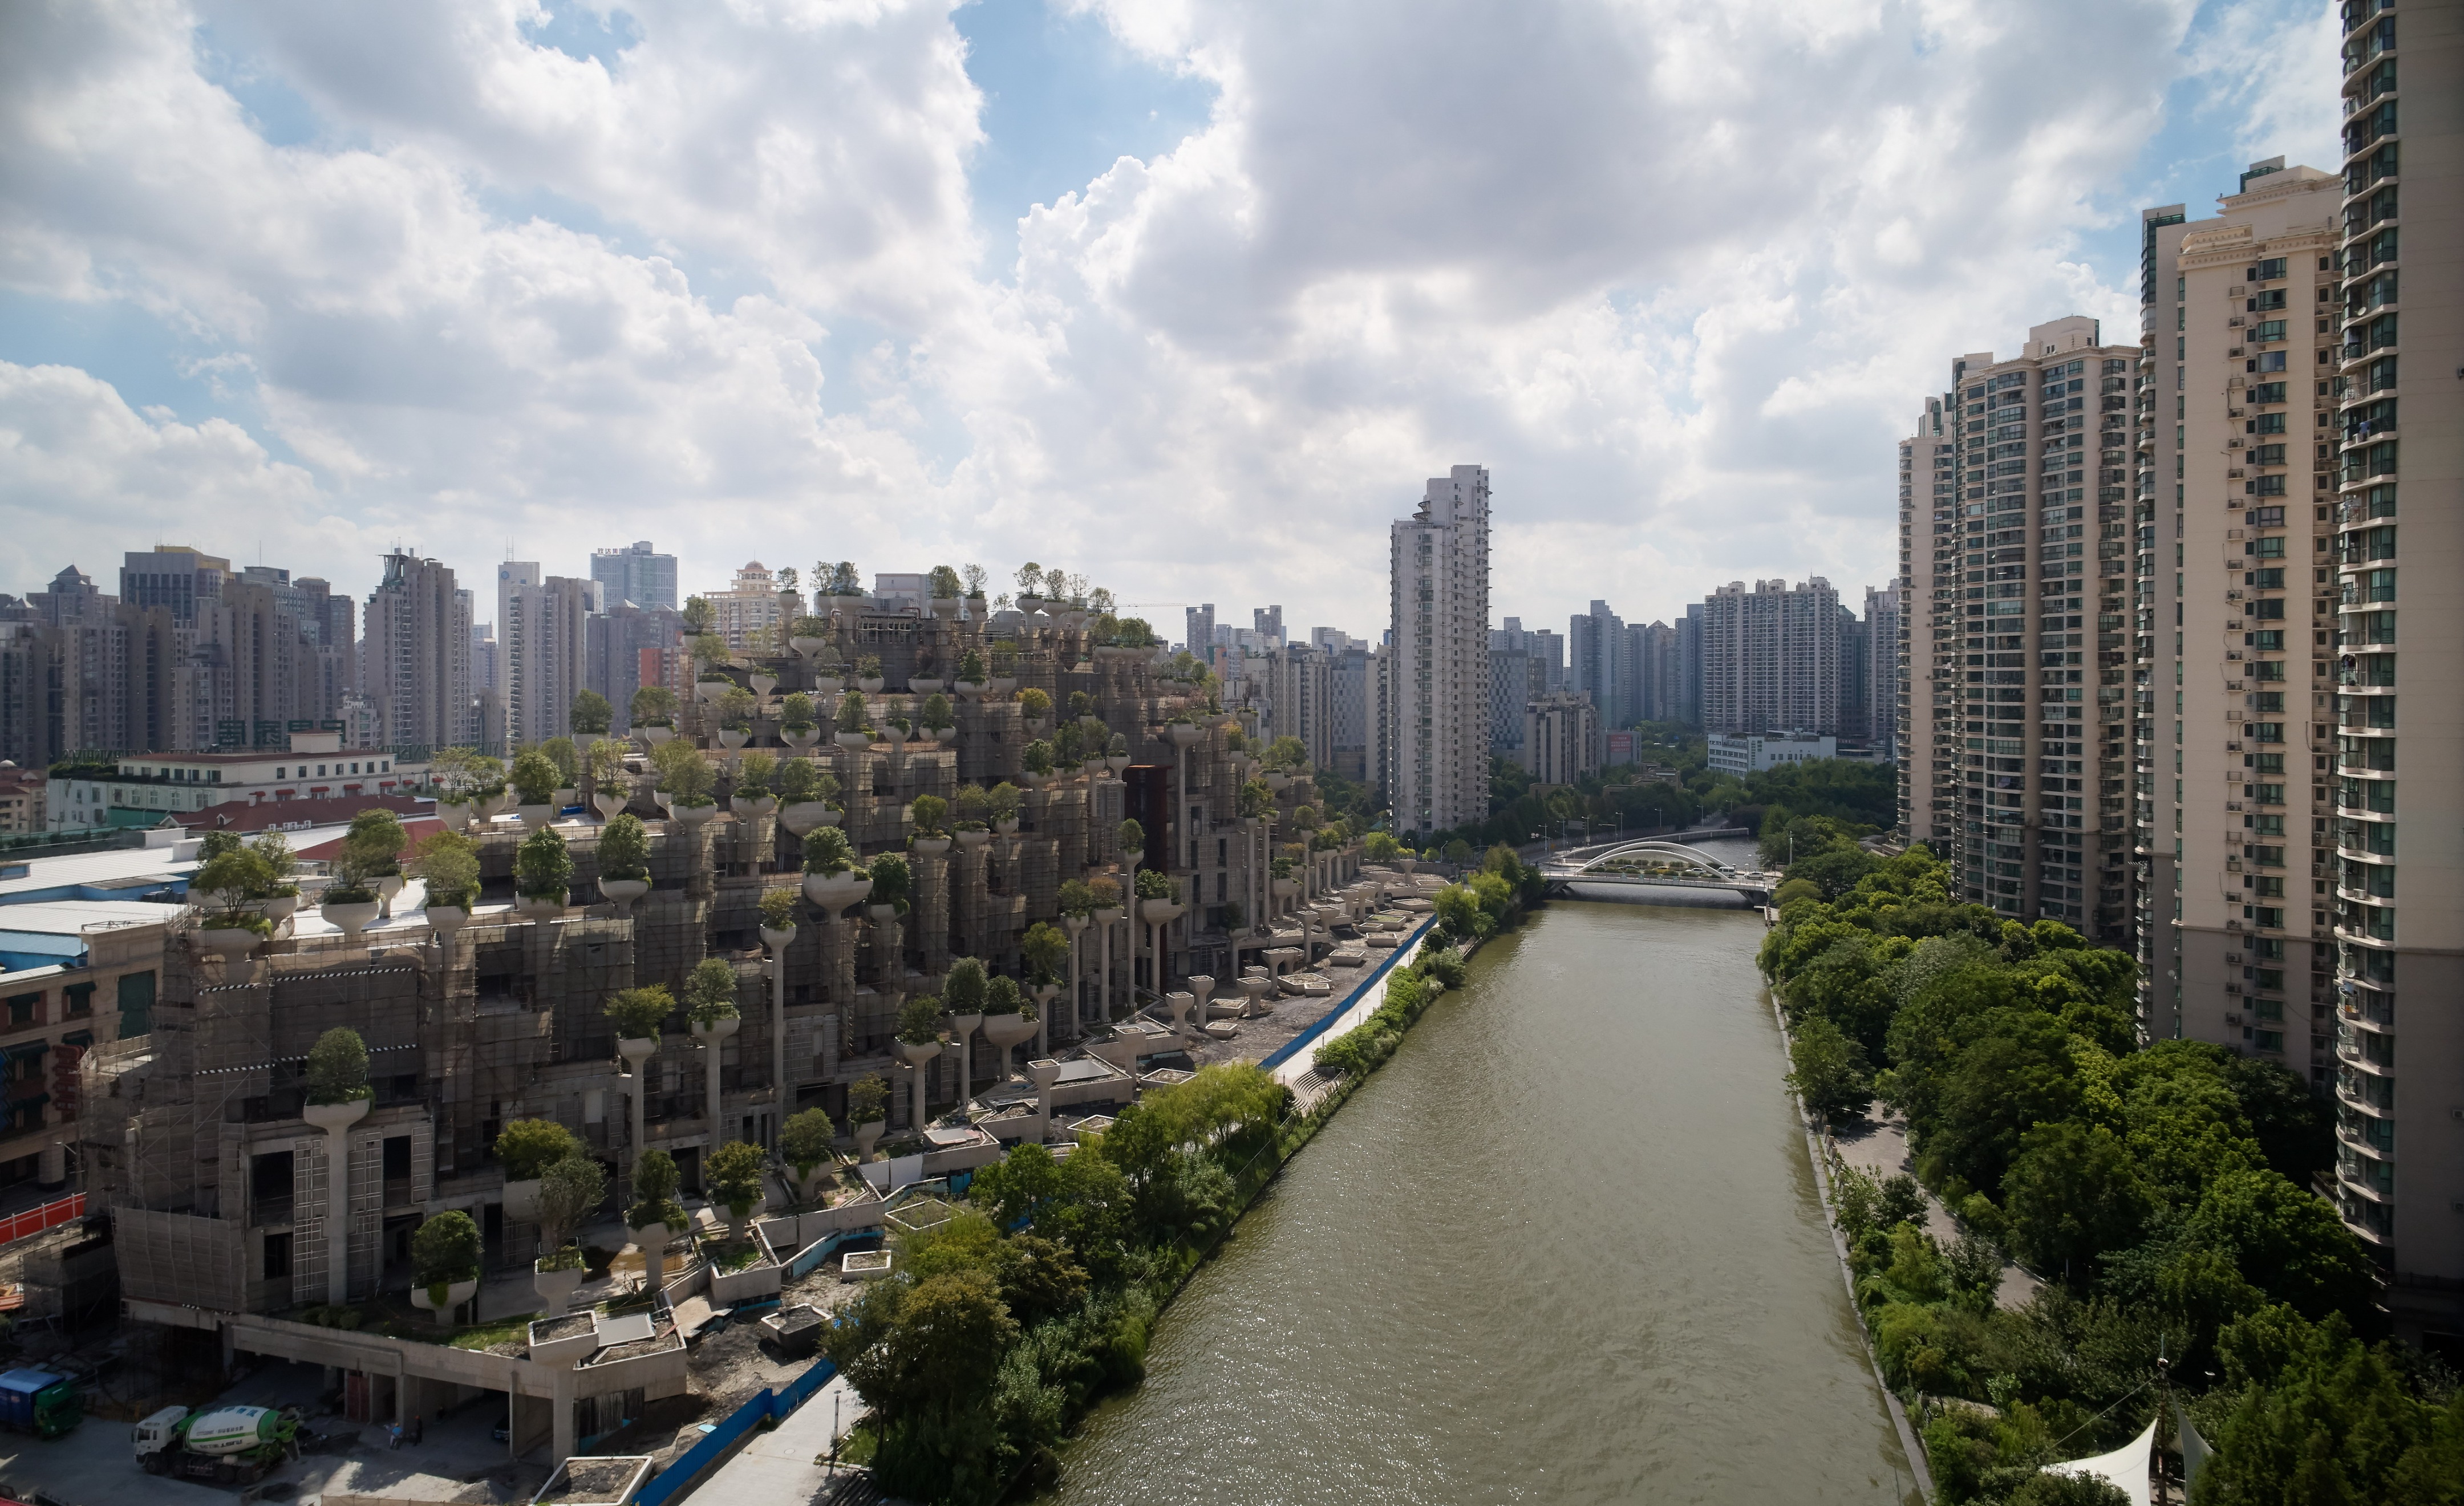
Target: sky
(1187,296)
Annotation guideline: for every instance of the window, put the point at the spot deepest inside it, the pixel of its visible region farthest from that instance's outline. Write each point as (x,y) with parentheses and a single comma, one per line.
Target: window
(277,1257)
(136,1004)
(77,998)
(25,1009)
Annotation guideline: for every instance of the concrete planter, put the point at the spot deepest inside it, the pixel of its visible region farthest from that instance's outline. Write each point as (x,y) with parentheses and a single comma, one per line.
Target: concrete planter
(731,739)
(651,1239)
(799,739)
(1004,1031)
(623,891)
(455,815)
(387,887)
(229,942)
(834,892)
(456,1293)
(535,817)
(1155,913)
(1008,828)
(802,816)
(763,1279)
(696,815)
(808,646)
(717,1031)
(777,939)
(447,919)
(611,803)
(932,846)
(1182,733)
(655,732)
(707,690)
(350,916)
(864,1265)
(853,739)
(556,1286)
(866,1136)
(539,907)
(870,685)
(972,840)
(558,1340)
(764,683)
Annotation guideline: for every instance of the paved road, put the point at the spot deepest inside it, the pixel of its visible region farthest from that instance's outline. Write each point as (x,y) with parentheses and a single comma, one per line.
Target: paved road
(787,1465)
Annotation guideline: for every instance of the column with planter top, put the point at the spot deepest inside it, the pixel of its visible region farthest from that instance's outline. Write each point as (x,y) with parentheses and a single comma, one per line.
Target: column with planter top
(336,1120)
(776,938)
(637,1053)
(1076,926)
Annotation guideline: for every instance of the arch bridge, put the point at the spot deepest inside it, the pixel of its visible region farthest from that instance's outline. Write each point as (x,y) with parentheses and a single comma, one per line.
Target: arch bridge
(1655,862)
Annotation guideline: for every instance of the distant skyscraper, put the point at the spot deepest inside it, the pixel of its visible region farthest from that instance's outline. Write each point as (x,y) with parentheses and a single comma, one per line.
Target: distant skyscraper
(543,649)
(1770,658)
(1268,622)
(1197,633)
(418,655)
(1883,669)
(1300,699)
(171,576)
(1688,707)
(1512,683)
(1437,715)
(1596,648)
(1354,694)
(635,574)
(747,607)
(632,646)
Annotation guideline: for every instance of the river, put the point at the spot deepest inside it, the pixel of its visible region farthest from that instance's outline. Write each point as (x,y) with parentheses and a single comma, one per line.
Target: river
(1565,1247)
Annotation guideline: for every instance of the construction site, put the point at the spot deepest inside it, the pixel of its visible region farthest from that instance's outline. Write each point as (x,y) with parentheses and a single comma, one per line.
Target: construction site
(238,1228)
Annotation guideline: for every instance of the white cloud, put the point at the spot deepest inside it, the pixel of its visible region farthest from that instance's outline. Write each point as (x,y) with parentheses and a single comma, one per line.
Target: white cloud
(1678,275)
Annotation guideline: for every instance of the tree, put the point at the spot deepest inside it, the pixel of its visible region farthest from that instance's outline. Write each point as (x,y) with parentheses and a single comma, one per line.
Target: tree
(525,1148)
(1037,1277)
(591,713)
(710,991)
(804,1140)
(652,706)
(1012,1187)
(623,845)
(735,1181)
(338,1067)
(962,991)
(2320,1418)
(535,776)
(445,1249)
(919,1021)
(654,1190)
(2287,1241)
(448,862)
(867,1099)
(926,1351)
(639,1013)
(370,847)
(1045,948)
(1828,1070)
(570,1191)
(544,866)
(2073,1194)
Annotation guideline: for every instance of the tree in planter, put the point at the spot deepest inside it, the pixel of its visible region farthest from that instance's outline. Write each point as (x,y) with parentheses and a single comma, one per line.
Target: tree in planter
(867,1099)
(754,772)
(802,781)
(535,776)
(1005,658)
(894,714)
(1257,800)
(1039,759)
(891,881)
(1034,703)
(946,584)
(963,989)
(780,908)
(567,759)
(852,717)
(640,1013)
(975,575)
(684,774)
(796,714)
(624,847)
(654,1192)
(371,850)
(971,667)
(1068,742)
(570,1191)
(1287,754)
(1105,892)
(606,763)
(448,862)
(698,616)
(1046,947)
(1030,579)
(810,628)
(1077,900)
(735,1184)
(460,773)
(869,667)
(919,1021)
(1155,884)
(827,852)
(233,878)
(525,1148)
(935,712)
(1117,747)
(928,811)
(338,1067)
(735,708)
(1002,997)
(843,578)
(1131,837)
(653,706)
(1003,802)
(710,991)
(804,1143)
(975,807)
(1381,847)
(274,849)
(445,1250)
(542,867)
(590,714)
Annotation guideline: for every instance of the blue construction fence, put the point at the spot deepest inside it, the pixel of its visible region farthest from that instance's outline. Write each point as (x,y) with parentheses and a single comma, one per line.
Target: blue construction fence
(680,1477)
(804,1261)
(1290,1048)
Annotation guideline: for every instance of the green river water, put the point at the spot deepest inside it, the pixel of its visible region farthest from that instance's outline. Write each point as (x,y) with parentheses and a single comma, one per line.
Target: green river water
(1565,1247)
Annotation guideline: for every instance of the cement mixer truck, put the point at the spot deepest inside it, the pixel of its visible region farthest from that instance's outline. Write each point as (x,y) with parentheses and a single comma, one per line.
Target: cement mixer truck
(228,1445)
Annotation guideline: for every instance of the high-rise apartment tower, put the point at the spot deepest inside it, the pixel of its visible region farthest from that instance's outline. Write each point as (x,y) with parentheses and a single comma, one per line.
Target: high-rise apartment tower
(1437,742)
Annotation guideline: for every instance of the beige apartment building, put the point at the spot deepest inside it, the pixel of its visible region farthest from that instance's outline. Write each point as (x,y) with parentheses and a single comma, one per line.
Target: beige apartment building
(2398,552)
(2020,666)
(2236,947)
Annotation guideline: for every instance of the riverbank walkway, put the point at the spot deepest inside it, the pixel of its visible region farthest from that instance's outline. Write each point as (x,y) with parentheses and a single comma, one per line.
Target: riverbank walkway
(789,1465)
(1363,1004)
(1879,1145)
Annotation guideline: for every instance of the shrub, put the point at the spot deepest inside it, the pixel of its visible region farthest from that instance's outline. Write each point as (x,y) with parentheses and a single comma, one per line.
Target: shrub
(867,1099)
(796,714)
(1039,757)
(338,1067)
(936,714)
(735,1178)
(535,776)
(639,1013)
(754,772)
(803,780)
(525,1148)
(570,1191)
(653,706)
(1002,996)
(1131,837)
(804,1139)
(829,852)
(1033,704)
(591,713)
(780,907)
(919,1021)
(542,867)
(852,717)
(1045,948)
(1076,899)
(891,880)
(962,991)
(654,1190)
(445,1249)
(1003,800)
(710,991)
(607,766)
(1153,884)
(624,847)
(928,811)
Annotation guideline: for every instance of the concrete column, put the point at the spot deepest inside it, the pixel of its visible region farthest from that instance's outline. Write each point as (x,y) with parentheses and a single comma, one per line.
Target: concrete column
(964,1027)
(52,1172)
(562,1399)
(336,1120)
(781,1097)
(713,1037)
(637,1052)
(1076,928)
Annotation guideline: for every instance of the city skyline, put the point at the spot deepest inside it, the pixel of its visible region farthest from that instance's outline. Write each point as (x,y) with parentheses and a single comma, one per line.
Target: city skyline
(141,389)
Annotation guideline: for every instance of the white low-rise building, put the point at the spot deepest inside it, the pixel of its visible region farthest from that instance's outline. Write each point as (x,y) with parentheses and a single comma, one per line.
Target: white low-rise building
(1733,753)
(139,789)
